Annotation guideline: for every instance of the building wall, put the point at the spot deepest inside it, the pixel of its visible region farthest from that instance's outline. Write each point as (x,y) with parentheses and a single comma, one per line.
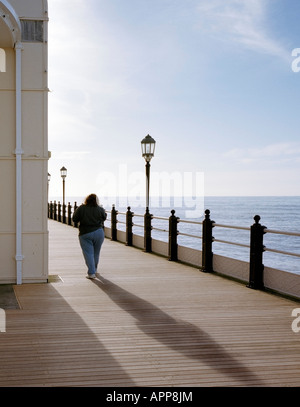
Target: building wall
(35,151)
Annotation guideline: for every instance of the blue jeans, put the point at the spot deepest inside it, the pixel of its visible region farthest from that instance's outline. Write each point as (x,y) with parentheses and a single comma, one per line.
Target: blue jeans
(91,245)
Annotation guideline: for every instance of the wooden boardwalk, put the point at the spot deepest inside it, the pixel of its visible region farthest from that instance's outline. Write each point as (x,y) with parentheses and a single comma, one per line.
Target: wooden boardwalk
(145,322)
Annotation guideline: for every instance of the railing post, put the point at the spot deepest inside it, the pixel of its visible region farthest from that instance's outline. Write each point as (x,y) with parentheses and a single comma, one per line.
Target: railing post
(50,213)
(55,210)
(64,219)
(147,231)
(59,211)
(114,221)
(51,210)
(74,210)
(173,233)
(256,279)
(207,239)
(129,224)
(69,214)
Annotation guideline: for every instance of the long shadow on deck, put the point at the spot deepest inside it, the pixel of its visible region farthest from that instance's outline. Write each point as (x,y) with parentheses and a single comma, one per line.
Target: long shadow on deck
(176,334)
(64,350)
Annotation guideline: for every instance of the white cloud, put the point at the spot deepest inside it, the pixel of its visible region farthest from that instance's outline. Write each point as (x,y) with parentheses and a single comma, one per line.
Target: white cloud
(243,22)
(285,152)
(252,183)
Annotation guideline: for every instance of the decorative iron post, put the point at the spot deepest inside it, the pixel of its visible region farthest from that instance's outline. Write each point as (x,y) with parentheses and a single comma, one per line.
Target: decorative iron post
(147,231)
(114,221)
(69,214)
(207,239)
(51,210)
(64,208)
(173,233)
(55,210)
(74,210)
(129,224)
(59,211)
(256,279)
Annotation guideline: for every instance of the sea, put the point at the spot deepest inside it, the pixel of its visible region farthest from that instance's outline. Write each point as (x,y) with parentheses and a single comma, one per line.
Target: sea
(278,213)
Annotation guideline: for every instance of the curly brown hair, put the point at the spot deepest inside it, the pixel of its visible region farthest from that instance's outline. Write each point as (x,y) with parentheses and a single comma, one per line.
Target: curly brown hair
(91,200)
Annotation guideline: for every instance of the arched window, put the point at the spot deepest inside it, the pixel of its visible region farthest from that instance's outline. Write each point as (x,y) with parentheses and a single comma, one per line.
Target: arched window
(2,60)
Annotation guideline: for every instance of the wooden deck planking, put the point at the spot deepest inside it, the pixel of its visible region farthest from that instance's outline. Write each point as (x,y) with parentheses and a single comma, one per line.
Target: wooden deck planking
(145,322)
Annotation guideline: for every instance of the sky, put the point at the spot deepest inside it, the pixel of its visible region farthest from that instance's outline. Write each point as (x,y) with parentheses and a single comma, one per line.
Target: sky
(216,83)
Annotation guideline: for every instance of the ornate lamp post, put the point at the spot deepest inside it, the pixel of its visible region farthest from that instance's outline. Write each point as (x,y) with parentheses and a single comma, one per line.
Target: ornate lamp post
(63,174)
(148,148)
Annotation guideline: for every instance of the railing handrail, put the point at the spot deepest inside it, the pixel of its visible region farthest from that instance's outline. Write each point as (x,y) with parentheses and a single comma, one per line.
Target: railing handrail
(192,222)
(160,217)
(231,226)
(138,215)
(282,232)
(138,225)
(232,243)
(188,235)
(215,224)
(159,229)
(236,227)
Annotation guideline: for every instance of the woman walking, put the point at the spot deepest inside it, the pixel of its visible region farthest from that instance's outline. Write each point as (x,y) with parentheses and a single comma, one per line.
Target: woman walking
(90,217)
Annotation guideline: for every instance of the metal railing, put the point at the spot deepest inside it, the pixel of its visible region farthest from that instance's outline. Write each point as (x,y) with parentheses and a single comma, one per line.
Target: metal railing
(256,247)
